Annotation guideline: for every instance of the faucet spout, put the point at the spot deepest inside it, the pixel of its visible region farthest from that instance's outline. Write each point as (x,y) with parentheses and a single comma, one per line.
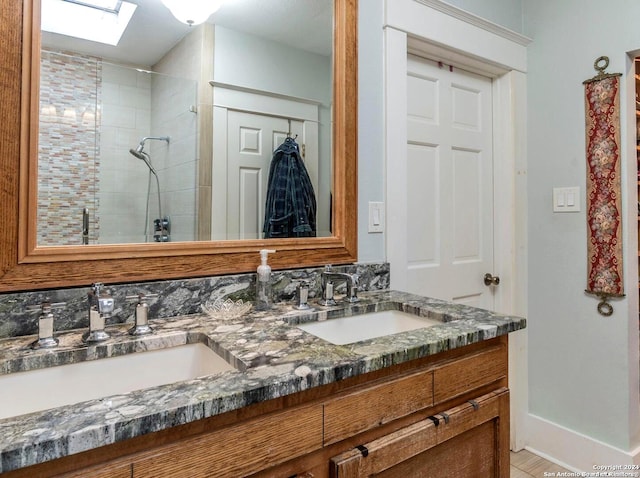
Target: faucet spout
(101,306)
(328,280)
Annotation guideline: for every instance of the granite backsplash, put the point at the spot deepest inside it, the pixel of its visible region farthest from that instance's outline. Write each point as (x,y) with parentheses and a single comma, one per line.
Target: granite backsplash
(174,297)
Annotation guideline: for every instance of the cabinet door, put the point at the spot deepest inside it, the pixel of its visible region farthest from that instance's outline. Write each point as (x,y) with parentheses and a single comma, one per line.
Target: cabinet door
(468,441)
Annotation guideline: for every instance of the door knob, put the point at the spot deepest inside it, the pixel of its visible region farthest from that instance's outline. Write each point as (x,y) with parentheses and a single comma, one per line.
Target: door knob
(491,280)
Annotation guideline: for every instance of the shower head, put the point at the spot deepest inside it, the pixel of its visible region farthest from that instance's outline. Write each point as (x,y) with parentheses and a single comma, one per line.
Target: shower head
(138,153)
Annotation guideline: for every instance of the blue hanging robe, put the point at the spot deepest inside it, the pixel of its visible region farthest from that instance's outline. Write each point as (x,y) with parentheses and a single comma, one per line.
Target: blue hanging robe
(290,209)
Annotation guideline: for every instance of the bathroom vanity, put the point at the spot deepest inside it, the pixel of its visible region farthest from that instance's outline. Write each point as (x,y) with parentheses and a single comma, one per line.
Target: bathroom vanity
(431,398)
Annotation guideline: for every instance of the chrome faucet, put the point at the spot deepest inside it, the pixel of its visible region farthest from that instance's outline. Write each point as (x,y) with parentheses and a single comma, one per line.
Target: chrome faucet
(101,307)
(141,325)
(328,280)
(302,296)
(46,339)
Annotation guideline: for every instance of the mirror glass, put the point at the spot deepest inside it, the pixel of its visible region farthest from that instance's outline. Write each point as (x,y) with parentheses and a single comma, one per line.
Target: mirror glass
(170,134)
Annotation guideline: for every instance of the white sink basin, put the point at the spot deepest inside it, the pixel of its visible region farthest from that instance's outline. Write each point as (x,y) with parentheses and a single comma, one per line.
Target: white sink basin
(347,330)
(37,390)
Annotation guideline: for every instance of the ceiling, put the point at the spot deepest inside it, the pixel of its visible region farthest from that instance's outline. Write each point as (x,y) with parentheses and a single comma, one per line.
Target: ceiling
(153,31)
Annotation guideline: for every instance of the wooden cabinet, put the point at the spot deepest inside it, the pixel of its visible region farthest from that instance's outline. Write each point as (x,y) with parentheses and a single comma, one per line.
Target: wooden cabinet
(466,441)
(470,405)
(447,411)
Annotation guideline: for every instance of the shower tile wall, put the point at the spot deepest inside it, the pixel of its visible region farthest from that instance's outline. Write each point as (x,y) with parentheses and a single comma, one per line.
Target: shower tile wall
(92,113)
(171,115)
(172,99)
(69,155)
(126,118)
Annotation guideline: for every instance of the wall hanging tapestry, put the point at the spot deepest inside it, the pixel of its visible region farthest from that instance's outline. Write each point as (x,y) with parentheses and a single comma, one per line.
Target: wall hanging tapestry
(604,223)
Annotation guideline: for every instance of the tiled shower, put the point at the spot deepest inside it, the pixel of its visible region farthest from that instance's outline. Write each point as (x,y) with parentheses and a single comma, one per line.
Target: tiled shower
(91,113)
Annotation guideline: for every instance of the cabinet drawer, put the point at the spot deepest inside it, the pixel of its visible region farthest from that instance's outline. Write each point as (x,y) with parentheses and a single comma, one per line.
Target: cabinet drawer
(472,441)
(359,411)
(468,373)
(238,450)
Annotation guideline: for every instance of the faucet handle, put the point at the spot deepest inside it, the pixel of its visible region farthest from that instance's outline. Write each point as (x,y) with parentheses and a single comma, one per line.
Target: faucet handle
(302,295)
(327,295)
(45,323)
(102,299)
(141,325)
(352,289)
(96,288)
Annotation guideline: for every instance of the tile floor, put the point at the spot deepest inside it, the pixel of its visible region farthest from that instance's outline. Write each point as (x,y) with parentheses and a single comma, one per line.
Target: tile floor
(525,464)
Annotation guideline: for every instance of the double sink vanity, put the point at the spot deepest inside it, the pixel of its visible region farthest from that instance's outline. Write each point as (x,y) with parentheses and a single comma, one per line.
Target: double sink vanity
(394,380)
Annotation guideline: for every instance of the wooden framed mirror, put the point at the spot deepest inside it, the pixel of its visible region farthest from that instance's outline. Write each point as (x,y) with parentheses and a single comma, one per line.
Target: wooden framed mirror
(26,266)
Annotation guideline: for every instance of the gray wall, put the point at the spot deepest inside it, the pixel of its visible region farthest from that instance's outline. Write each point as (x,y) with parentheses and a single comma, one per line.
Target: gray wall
(507,13)
(370,125)
(583,367)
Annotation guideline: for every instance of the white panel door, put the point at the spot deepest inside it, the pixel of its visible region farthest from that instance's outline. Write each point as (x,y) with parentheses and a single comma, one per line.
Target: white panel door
(247,127)
(252,139)
(449,226)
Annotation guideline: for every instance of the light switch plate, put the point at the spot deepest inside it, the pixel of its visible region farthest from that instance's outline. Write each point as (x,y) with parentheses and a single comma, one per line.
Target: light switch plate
(376,216)
(566,199)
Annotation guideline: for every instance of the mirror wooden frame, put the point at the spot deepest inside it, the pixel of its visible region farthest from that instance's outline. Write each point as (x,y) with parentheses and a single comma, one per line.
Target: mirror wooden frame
(25,266)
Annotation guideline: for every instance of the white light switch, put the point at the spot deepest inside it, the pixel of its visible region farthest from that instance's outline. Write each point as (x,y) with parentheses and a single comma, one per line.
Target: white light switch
(566,199)
(376,216)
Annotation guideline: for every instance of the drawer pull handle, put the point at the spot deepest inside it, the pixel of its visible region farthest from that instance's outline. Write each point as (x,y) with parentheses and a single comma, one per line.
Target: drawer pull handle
(434,419)
(446,417)
(475,404)
(364,450)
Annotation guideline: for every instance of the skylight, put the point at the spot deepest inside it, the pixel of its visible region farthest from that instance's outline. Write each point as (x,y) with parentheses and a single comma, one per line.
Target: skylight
(102,21)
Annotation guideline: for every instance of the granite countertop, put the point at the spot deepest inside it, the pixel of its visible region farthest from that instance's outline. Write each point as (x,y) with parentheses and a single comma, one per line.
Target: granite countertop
(272,356)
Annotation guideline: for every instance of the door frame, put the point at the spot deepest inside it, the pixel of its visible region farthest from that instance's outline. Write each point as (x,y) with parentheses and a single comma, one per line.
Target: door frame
(436,30)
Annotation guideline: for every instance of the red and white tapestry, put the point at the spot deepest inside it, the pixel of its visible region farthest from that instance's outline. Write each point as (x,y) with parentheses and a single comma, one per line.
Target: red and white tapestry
(604,222)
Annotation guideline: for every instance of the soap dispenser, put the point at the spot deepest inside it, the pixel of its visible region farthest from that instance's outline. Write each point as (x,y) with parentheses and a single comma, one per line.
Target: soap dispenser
(263,281)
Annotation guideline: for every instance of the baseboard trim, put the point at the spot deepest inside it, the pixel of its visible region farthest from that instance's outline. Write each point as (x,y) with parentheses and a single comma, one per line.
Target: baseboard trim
(572,450)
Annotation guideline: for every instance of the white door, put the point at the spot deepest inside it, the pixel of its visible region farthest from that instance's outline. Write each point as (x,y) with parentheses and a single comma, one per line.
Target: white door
(252,139)
(449,184)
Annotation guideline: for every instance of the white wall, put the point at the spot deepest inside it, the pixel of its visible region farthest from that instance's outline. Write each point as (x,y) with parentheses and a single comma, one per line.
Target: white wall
(246,60)
(583,367)
(370,125)
(507,13)
(249,61)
